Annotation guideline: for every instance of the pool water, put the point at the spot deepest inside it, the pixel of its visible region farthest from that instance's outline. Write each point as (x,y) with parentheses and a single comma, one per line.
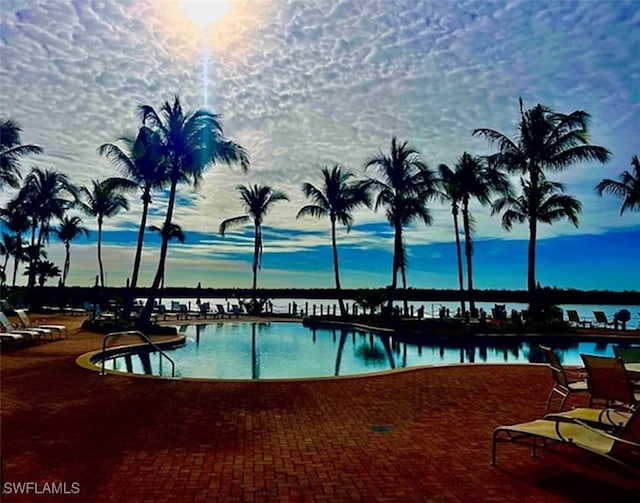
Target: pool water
(240,350)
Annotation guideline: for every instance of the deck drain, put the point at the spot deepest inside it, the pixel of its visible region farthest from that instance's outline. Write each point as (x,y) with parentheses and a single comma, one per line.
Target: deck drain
(381,428)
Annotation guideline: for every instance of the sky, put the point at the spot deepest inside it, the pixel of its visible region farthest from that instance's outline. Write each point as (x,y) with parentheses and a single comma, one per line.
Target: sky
(311,83)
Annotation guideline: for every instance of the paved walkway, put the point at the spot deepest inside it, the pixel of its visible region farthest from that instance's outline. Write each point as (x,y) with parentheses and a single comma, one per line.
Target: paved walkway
(134,439)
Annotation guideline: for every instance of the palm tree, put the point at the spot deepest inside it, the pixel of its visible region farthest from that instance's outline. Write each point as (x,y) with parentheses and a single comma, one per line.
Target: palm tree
(544,202)
(190,143)
(11,151)
(142,162)
(43,269)
(627,189)
(70,229)
(8,247)
(338,197)
(45,194)
(257,200)
(477,179)
(450,183)
(546,140)
(406,186)
(16,219)
(104,200)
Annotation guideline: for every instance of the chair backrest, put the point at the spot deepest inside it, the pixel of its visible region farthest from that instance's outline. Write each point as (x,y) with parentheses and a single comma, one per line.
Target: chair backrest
(573,315)
(608,379)
(628,355)
(557,370)
(600,317)
(175,305)
(220,308)
(24,319)
(630,432)
(4,321)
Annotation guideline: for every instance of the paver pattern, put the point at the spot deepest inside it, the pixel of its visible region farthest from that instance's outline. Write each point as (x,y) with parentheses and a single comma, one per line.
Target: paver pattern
(128,439)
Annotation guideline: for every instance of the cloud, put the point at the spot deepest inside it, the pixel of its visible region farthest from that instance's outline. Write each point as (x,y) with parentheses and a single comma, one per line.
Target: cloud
(307,84)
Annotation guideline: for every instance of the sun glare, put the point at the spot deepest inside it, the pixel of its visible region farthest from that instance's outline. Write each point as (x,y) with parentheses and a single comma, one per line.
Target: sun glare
(204,13)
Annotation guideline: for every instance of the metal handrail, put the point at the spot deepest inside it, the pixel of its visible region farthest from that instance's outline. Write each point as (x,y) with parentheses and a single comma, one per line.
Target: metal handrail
(144,338)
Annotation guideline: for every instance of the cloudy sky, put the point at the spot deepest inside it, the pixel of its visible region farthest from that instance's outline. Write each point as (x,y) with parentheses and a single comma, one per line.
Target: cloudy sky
(304,84)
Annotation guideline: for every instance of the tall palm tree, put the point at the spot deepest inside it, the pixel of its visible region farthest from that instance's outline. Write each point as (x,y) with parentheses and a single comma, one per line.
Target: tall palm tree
(546,141)
(404,189)
(46,194)
(337,198)
(70,229)
(257,200)
(11,151)
(104,200)
(142,162)
(479,180)
(190,143)
(627,189)
(450,183)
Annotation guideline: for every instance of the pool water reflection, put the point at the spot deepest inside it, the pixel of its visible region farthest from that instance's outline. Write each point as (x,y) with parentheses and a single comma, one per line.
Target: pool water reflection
(279,350)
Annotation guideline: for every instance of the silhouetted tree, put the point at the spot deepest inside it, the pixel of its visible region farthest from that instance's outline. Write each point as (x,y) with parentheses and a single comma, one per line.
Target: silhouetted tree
(336,199)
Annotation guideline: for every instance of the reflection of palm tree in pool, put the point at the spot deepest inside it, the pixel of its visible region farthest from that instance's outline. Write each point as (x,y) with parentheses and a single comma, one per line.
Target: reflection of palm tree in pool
(255,364)
(371,353)
(343,338)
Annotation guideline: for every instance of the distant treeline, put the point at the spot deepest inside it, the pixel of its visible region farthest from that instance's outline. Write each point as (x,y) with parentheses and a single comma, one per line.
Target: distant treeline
(77,295)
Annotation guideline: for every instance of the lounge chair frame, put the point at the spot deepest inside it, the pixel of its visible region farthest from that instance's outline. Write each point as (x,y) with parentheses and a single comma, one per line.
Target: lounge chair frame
(576,433)
(562,385)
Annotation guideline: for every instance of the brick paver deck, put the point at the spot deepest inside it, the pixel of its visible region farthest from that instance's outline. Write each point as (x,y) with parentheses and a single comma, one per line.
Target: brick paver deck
(131,439)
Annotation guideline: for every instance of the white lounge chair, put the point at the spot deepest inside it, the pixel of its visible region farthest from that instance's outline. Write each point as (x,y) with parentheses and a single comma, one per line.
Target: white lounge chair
(10,328)
(28,324)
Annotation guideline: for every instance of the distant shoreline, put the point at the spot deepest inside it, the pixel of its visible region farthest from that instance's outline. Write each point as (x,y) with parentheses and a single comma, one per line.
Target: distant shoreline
(75,294)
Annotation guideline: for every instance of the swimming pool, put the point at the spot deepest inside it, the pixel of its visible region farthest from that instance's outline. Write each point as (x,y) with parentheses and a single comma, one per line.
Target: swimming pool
(280,350)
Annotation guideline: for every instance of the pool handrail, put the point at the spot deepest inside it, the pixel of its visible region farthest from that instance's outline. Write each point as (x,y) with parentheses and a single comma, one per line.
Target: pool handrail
(145,338)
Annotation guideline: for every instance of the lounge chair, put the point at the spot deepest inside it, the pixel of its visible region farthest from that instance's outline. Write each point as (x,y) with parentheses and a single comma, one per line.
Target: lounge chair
(628,355)
(609,381)
(575,320)
(31,333)
(622,448)
(28,324)
(608,419)
(12,338)
(562,384)
(602,321)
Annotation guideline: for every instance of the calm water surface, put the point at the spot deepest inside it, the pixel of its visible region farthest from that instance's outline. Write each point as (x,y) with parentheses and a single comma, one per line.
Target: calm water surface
(240,350)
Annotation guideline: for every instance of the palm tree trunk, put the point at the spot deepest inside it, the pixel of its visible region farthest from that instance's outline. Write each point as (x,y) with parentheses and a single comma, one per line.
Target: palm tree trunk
(100,252)
(4,267)
(531,274)
(336,272)
(403,272)
(145,315)
(137,259)
(67,262)
(257,240)
(454,212)
(534,201)
(31,281)
(468,252)
(16,259)
(397,257)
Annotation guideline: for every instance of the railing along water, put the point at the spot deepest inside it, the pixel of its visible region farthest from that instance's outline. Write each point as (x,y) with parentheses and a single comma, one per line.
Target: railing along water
(145,338)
